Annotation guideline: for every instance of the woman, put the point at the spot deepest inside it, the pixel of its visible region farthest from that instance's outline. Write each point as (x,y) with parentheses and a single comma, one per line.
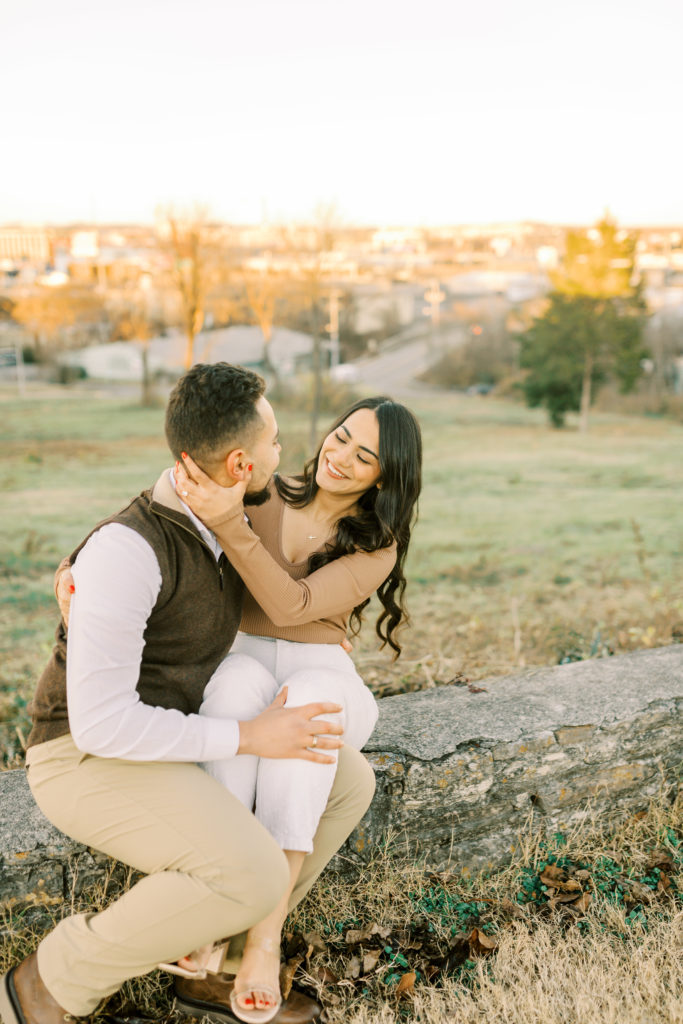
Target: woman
(319,548)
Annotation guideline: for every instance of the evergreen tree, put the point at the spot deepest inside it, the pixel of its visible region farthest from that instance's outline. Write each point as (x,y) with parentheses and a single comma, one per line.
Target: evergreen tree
(592,328)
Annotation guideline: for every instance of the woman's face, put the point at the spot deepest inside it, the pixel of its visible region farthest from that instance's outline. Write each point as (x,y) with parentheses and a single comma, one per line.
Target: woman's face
(349,458)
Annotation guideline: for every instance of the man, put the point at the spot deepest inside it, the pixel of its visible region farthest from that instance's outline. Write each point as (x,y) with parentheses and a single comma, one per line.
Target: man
(156,609)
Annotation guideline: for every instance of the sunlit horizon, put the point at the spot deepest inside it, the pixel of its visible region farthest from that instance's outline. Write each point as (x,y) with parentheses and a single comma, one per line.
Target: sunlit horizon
(398,116)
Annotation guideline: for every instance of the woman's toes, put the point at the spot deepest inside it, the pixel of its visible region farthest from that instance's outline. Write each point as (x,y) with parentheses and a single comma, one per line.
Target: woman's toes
(187,963)
(257,999)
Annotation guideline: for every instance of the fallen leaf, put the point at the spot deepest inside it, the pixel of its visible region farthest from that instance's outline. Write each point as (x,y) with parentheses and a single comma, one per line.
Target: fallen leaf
(643,893)
(324,976)
(295,945)
(664,882)
(370,960)
(482,943)
(660,859)
(406,984)
(511,908)
(458,952)
(411,940)
(552,872)
(356,936)
(583,902)
(287,972)
(562,897)
(476,689)
(582,875)
(571,885)
(315,941)
(353,968)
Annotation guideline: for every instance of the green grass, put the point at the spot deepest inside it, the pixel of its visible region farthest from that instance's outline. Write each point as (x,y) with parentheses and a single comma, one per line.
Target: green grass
(533,546)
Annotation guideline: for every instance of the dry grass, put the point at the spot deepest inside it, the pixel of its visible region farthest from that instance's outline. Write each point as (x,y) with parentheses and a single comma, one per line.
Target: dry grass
(619,962)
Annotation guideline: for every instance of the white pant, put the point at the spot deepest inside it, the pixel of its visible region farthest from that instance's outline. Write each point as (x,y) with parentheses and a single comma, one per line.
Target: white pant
(290,794)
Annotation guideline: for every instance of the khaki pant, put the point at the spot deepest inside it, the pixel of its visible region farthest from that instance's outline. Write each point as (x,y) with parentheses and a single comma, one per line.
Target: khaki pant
(211,868)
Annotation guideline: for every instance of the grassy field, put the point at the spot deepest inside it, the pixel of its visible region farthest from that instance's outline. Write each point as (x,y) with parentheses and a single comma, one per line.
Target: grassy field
(533,547)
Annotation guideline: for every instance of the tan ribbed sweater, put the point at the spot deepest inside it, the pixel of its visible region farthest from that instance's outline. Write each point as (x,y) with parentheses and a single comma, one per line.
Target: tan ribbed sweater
(282,601)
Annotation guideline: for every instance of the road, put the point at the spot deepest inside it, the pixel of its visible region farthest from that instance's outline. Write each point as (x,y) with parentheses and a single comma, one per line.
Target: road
(395,368)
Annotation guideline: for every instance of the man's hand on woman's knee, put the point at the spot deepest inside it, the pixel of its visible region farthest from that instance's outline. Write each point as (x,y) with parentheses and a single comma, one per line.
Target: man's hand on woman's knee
(292,732)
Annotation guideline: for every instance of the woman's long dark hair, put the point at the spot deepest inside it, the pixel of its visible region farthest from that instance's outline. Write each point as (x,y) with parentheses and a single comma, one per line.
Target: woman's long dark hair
(384,514)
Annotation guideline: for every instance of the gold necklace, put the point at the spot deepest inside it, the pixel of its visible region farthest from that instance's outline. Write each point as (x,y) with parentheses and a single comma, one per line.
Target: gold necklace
(312,536)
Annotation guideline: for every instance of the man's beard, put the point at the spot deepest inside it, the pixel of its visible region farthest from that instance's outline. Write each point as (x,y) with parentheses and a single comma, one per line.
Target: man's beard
(257,497)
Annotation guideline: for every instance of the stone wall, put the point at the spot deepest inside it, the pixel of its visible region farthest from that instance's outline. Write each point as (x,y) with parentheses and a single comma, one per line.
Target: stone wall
(460,772)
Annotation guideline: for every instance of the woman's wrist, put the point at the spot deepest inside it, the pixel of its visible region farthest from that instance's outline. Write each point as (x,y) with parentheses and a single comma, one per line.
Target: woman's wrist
(244,746)
(237,512)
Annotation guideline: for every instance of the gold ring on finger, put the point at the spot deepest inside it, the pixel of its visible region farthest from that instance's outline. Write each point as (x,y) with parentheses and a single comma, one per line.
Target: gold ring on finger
(314,741)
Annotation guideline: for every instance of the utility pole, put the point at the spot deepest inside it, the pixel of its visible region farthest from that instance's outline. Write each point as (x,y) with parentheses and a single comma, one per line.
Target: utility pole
(333,326)
(434,296)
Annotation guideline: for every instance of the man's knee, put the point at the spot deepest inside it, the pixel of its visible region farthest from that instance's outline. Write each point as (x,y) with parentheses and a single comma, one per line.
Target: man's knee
(259,881)
(355,780)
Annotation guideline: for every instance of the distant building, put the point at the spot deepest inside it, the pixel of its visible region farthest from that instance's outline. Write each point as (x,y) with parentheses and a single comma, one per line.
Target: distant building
(85,245)
(26,245)
(289,352)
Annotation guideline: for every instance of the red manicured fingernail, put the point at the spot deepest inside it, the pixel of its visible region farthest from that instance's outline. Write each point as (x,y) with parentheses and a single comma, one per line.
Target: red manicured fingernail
(184,454)
(249,468)
(72,589)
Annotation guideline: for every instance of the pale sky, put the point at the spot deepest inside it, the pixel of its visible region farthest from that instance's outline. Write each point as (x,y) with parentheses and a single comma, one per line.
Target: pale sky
(432,112)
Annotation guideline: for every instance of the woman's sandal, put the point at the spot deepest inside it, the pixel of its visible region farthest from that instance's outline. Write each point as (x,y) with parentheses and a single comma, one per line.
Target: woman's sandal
(208,960)
(256,1015)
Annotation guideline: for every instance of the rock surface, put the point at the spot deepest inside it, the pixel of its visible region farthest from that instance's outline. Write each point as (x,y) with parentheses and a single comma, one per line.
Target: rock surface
(460,774)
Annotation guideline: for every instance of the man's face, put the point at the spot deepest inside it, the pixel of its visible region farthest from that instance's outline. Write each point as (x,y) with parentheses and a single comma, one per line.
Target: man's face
(264,453)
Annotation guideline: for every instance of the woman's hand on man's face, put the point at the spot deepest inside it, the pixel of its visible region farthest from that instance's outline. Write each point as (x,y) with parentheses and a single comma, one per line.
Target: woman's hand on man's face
(207,499)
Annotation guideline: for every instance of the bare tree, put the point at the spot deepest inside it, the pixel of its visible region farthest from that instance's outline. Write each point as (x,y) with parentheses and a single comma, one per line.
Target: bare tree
(133,322)
(186,237)
(59,318)
(313,250)
(262,291)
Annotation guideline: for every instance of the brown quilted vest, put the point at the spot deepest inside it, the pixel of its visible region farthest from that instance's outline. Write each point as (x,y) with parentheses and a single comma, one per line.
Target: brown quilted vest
(190,630)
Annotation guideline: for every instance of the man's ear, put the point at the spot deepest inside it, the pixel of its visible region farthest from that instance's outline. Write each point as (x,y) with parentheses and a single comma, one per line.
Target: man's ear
(236,463)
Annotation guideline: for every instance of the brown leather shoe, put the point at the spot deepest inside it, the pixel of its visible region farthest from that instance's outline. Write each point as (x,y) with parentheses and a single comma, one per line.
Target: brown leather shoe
(211,998)
(24,998)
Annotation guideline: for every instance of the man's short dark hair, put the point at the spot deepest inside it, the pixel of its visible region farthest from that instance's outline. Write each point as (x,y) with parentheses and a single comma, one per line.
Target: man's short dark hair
(211,410)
